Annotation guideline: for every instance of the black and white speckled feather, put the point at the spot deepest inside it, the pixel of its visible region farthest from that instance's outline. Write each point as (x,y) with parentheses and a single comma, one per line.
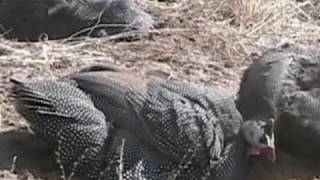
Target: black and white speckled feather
(194,126)
(65,117)
(85,140)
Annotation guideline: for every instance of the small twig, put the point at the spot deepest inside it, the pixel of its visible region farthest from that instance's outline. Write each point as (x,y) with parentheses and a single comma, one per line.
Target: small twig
(93,28)
(98,21)
(14,163)
(121,152)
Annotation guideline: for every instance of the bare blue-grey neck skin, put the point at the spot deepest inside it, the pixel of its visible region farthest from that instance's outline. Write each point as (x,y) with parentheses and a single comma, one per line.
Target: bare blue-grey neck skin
(259,135)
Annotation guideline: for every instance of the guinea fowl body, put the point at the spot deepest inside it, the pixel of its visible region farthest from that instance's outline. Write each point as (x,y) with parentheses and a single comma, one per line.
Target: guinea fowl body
(89,143)
(28,20)
(192,125)
(288,80)
(86,142)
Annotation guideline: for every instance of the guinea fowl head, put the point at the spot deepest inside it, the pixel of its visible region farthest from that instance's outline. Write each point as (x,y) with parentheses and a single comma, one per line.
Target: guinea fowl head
(259,135)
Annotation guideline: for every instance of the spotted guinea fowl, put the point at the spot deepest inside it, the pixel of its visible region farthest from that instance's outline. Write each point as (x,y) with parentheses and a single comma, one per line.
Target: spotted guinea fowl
(176,118)
(86,143)
(28,20)
(286,83)
(198,127)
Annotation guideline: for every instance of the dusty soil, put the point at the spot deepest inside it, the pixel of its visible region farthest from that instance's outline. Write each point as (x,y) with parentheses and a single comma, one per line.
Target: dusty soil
(207,42)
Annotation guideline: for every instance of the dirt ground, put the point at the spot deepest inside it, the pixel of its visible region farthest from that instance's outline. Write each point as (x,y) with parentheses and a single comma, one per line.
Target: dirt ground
(205,41)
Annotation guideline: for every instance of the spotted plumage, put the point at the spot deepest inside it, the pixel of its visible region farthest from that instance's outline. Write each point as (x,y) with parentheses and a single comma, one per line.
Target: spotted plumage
(65,117)
(175,117)
(125,126)
(85,142)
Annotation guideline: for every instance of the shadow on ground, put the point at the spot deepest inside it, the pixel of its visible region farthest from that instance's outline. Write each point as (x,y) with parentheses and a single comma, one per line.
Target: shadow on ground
(286,167)
(22,152)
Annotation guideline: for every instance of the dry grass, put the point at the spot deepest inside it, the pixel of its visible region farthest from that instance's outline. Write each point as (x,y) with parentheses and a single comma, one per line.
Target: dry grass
(207,41)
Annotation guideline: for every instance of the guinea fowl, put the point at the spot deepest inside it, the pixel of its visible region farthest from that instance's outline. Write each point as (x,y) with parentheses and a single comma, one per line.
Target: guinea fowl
(285,84)
(165,107)
(159,129)
(28,20)
(85,141)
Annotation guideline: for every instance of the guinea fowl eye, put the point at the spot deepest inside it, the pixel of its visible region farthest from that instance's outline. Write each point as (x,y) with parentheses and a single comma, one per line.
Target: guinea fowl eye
(263,139)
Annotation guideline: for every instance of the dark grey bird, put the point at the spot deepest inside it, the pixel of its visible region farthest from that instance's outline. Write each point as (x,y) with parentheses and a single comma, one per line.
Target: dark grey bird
(56,19)
(177,117)
(87,144)
(284,84)
(110,124)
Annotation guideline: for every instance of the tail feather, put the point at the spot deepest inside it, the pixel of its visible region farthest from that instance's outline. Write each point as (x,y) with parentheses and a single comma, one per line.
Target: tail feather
(64,116)
(30,98)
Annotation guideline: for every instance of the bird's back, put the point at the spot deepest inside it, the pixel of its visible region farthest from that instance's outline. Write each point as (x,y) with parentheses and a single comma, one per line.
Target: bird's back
(179,119)
(85,141)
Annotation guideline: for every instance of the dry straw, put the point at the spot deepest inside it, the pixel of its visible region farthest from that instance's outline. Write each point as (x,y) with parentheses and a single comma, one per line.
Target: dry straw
(229,29)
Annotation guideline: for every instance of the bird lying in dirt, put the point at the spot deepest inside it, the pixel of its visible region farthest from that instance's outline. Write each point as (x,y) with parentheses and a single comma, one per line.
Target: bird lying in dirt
(107,123)
(56,19)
